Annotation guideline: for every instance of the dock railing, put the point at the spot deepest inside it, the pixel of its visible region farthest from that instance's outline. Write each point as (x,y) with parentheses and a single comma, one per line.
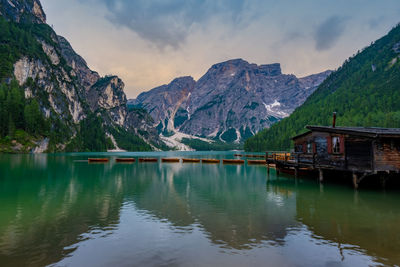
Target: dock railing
(279,156)
(294,158)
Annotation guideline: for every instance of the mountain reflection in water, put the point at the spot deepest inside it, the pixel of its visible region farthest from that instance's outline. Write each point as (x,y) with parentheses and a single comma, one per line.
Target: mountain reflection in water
(58,210)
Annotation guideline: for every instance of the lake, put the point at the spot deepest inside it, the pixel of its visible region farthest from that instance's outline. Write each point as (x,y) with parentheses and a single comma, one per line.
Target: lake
(59,210)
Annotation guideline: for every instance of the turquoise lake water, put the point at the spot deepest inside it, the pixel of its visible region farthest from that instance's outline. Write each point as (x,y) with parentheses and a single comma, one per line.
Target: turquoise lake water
(59,210)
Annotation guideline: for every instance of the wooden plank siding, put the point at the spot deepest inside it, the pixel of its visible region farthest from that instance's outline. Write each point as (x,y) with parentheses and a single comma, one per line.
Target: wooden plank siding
(387,154)
(321,154)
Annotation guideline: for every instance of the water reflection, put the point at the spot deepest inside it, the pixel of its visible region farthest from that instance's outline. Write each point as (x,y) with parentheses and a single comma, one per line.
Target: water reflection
(50,205)
(364,221)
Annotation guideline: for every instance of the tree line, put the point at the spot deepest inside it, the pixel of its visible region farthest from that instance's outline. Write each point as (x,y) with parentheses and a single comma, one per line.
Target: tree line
(16,112)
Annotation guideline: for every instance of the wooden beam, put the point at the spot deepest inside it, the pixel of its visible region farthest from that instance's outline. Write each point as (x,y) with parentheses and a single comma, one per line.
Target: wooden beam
(382,180)
(355,180)
(321,175)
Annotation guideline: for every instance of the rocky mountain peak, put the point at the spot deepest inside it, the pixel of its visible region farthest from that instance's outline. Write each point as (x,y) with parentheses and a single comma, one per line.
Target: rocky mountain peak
(22,11)
(234,67)
(232,101)
(182,83)
(230,65)
(271,69)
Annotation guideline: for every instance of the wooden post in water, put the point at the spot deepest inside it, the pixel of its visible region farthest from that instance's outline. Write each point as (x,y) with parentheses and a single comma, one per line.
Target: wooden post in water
(382,180)
(296,172)
(321,175)
(355,180)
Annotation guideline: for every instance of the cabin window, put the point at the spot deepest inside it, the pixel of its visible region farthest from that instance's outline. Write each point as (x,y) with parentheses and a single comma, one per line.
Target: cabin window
(335,144)
(309,147)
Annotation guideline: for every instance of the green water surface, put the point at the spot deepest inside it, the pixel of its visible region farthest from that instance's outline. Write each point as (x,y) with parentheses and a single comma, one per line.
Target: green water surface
(59,210)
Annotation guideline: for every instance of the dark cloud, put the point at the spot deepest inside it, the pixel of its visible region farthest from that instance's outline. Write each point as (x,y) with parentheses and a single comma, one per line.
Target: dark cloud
(168,22)
(328,33)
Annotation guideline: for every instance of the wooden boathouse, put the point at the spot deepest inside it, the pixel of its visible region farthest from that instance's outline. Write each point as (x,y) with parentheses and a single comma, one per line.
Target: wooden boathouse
(360,151)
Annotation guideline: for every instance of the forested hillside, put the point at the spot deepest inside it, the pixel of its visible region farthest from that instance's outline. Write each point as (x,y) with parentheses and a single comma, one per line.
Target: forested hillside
(50,100)
(364,91)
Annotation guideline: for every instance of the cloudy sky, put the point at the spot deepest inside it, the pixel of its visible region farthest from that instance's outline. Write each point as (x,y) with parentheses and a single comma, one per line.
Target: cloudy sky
(149,42)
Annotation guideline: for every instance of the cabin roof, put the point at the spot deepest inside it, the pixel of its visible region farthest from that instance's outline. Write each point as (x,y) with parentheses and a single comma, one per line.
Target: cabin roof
(373,132)
(301,135)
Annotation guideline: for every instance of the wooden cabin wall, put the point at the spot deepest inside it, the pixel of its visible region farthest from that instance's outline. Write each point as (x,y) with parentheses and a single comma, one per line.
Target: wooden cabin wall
(387,154)
(359,153)
(320,148)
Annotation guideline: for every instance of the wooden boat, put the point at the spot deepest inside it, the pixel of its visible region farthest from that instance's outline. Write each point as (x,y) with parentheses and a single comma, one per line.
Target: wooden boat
(148,159)
(170,160)
(98,159)
(233,161)
(125,160)
(210,160)
(256,162)
(190,160)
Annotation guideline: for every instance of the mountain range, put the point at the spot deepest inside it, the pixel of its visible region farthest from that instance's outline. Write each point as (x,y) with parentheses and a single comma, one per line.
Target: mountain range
(50,100)
(231,102)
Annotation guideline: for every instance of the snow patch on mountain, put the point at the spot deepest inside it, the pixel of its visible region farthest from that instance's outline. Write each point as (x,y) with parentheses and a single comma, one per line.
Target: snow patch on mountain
(274,109)
(175,141)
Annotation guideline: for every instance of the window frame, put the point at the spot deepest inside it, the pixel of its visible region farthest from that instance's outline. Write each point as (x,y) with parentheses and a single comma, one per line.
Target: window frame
(336,145)
(309,147)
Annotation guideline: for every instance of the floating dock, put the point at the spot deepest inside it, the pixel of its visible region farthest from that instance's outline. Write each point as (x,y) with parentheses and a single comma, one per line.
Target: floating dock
(98,159)
(233,161)
(170,160)
(269,160)
(190,160)
(125,160)
(256,162)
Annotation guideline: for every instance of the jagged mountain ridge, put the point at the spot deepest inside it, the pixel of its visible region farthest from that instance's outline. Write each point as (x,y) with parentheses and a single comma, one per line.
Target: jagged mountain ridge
(231,102)
(66,88)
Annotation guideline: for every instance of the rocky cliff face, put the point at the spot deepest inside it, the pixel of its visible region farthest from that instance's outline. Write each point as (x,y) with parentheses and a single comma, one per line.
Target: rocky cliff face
(232,101)
(168,104)
(62,82)
(28,11)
